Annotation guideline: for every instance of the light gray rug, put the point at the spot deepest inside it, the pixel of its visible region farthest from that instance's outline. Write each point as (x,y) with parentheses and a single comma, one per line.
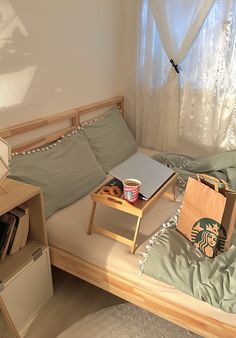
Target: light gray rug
(124,321)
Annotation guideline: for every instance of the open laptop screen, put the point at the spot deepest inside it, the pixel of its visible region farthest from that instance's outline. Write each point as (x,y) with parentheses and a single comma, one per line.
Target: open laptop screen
(151,173)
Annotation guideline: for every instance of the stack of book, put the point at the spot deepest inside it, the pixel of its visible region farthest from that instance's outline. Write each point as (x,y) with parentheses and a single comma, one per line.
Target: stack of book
(14,229)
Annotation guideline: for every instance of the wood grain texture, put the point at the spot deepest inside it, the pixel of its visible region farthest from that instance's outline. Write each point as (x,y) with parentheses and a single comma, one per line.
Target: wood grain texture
(17,193)
(39,142)
(99,230)
(73,115)
(140,206)
(123,288)
(138,209)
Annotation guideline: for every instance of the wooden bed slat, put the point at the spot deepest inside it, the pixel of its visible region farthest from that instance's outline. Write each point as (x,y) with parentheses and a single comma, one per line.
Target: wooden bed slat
(72,114)
(140,296)
(39,142)
(76,121)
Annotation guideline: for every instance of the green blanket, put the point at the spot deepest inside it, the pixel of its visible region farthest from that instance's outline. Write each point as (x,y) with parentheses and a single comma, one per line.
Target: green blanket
(174,260)
(221,165)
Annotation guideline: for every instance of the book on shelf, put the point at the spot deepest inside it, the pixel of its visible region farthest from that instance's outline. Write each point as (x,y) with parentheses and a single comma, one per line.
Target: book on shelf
(20,234)
(10,221)
(3,232)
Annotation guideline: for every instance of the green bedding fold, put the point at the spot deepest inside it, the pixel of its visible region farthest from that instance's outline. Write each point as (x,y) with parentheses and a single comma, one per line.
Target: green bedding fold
(174,260)
(221,165)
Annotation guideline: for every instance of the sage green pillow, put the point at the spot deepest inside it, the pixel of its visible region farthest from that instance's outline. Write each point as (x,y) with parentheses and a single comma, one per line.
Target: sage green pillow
(65,170)
(110,139)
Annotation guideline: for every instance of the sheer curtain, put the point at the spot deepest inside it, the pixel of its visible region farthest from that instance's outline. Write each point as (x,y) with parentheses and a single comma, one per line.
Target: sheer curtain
(207,82)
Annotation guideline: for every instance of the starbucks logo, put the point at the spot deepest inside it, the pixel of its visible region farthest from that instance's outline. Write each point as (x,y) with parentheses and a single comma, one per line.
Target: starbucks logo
(209,236)
(129,195)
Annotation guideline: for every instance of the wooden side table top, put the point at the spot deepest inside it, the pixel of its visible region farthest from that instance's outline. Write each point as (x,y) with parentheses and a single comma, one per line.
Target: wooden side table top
(15,193)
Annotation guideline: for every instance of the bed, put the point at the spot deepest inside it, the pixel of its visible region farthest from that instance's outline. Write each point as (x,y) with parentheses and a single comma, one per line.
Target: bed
(104,262)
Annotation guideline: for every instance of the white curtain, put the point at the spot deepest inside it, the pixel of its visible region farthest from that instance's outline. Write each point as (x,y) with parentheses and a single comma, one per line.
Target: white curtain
(208,95)
(178,23)
(167,101)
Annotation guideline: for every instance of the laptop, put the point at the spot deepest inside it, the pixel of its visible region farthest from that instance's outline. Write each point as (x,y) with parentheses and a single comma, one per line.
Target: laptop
(151,173)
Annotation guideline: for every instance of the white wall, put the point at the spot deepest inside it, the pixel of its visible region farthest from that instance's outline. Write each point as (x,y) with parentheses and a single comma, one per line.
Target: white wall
(130,43)
(56,55)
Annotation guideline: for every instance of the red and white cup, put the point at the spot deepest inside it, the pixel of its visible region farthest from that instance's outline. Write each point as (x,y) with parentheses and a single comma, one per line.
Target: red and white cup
(131,189)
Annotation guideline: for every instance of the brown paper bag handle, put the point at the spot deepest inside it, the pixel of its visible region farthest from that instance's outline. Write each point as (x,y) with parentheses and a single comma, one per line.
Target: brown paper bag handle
(226,185)
(204,177)
(215,181)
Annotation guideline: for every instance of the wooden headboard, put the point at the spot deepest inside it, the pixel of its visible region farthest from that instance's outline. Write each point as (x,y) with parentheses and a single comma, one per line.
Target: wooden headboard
(72,115)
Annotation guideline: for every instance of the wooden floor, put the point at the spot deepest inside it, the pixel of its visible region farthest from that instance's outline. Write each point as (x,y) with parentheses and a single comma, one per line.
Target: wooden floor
(73,299)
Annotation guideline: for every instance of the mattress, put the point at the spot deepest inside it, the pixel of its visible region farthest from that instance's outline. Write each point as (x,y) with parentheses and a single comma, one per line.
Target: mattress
(67,230)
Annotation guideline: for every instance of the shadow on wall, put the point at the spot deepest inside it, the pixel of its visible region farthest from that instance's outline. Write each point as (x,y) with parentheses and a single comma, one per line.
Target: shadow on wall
(15,79)
(56,55)
(24,59)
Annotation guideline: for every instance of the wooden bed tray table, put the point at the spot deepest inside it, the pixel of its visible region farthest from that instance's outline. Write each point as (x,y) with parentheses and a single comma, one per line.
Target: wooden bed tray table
(138,209)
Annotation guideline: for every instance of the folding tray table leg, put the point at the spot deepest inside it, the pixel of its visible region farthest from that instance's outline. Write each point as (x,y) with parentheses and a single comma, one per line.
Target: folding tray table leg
(174,191)
(91,218)
(135,235)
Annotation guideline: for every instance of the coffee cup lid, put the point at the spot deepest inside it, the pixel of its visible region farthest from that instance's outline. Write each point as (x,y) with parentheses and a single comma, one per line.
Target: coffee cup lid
(131,180)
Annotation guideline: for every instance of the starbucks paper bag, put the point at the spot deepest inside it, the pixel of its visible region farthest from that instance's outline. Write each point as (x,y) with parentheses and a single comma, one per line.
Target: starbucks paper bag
(201,216)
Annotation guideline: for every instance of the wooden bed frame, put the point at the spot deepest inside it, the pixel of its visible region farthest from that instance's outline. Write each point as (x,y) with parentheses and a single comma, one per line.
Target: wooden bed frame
(111,282)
